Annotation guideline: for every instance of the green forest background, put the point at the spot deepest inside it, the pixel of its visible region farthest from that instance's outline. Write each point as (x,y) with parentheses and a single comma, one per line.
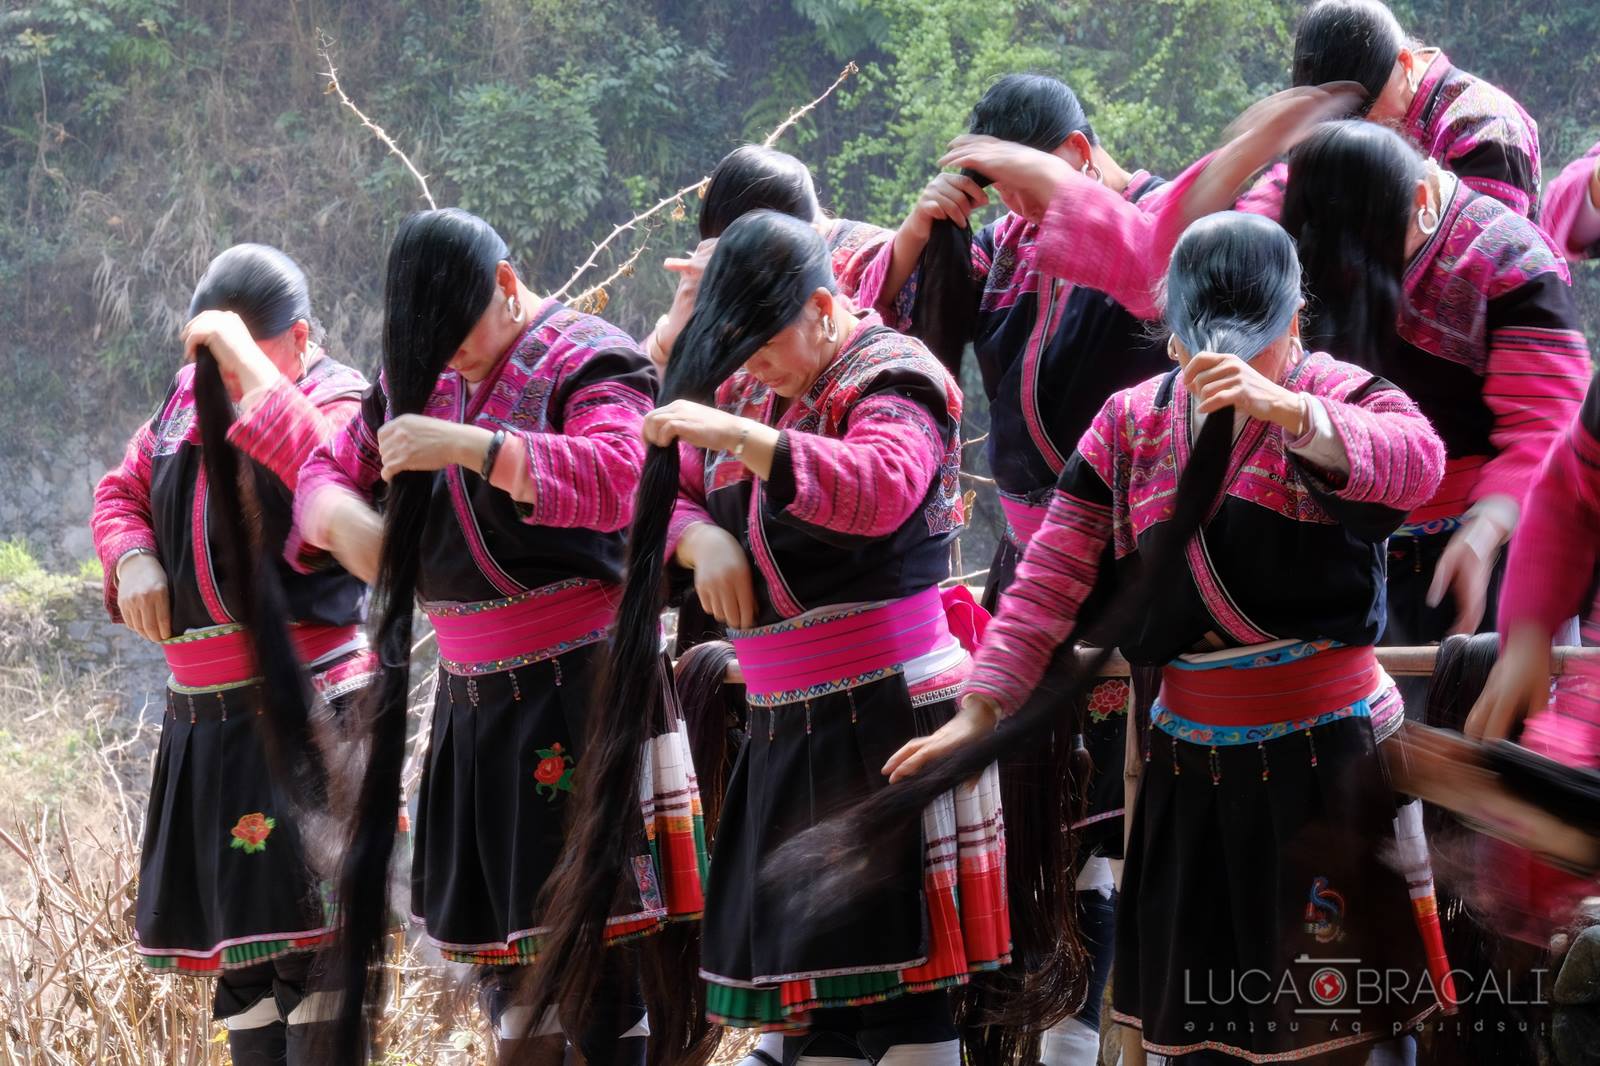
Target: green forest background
(140,137)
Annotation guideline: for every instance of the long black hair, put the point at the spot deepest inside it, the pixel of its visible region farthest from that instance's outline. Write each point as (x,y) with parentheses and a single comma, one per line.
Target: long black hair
(765,269)
(1347,40)
(439,281)
(268,291)
(1031,109)
(1348,204)
(1217,302)
(753,177)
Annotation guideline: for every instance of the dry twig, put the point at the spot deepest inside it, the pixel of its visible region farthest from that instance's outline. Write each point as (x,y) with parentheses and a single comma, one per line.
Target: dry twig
(324,49)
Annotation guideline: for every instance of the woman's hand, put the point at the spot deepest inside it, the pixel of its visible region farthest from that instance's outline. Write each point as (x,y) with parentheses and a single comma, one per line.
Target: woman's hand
(418,442)
(975,720)
(355,537)
(1519,685)
(696,425)
(689,272)
(1464,570)
(142,596)
(243,364)
(722,576)
(948,196)
(1219,379)
(1029,175)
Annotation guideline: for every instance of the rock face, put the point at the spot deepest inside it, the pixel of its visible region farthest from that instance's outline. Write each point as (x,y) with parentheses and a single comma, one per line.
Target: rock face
(46,496)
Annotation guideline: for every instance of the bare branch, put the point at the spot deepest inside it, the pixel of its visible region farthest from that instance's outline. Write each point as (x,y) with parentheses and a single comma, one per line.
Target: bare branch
(324,49)
(632,223)
(593,300)
(677,197)
(796,116)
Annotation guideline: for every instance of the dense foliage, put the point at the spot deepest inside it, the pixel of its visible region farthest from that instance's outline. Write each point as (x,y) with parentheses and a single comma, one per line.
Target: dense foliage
(137,137)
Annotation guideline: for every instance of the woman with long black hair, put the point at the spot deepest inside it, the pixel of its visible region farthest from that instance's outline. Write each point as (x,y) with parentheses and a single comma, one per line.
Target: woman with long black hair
(187,534)
(1460,121)
(1049,353)
(804,470)
(1249,493)
(1467,307)
(753,177)
(503,445)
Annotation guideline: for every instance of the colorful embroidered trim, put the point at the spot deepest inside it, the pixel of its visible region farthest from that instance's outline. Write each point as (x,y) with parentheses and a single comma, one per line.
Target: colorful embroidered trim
(234,955)
(491,636)
(1193,732)
(1428,529)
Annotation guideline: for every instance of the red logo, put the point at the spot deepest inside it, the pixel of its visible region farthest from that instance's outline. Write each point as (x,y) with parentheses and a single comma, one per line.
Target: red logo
(1327,986)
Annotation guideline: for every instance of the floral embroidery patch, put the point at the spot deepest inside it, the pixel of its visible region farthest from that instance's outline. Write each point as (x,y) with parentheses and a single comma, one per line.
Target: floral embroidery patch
(251,832)
(1108,698)
(554,772)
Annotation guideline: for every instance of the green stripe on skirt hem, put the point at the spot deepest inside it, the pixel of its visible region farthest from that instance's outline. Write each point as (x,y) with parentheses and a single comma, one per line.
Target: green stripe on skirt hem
(763,1008)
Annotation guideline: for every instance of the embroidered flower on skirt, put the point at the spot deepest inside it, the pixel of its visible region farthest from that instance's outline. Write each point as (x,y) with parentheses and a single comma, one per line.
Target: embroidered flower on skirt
(553,775)
(250,832)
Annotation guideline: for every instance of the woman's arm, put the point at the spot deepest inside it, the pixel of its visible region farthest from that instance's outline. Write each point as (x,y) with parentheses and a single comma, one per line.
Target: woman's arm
(333,496)
(280,427)
(121,521)
(1571,212)
(585,476)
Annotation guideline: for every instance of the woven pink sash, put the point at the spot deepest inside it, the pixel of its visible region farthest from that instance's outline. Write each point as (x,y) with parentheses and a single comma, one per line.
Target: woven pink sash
(1024,519)
(494,635)
(792,657)
(223,657)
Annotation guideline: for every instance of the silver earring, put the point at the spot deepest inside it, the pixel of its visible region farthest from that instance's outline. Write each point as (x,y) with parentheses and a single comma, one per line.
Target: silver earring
(514,308)
(1172,350)
(1427,220)
(1090,171)
(829,330)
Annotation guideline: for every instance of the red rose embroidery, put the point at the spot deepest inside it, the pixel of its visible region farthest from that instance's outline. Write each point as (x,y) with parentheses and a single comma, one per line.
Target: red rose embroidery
(1108,698)
(554,772)
(251,831)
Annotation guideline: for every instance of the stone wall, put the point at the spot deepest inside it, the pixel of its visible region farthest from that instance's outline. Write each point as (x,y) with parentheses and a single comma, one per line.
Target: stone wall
(47,493)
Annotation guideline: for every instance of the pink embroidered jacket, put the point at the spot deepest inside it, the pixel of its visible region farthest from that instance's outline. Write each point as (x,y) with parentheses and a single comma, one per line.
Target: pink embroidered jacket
(1466,125)
(1290,552)
(1569,216)
(156,498)
(571,393)
(864,494)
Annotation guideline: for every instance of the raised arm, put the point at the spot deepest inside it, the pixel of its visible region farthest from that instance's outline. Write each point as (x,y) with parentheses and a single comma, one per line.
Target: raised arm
(584,476)
(280,427)
(335,490)
(1571,213)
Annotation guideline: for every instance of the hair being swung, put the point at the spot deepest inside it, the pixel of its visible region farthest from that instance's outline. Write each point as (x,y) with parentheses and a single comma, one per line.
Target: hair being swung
(1232,285)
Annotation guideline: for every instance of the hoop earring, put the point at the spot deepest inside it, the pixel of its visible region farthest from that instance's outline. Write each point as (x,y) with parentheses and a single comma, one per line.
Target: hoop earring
(1172,352)
(1427,220)
(829,329)
(1090,171)
(514,308)
(1297,350)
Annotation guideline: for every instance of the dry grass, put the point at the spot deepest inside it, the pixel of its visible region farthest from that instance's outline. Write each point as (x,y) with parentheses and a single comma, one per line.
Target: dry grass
(74,768)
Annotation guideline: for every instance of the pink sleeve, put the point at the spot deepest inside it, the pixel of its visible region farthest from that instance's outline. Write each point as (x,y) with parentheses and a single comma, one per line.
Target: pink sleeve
(1569,216)
(345,464)
(283,427)
(121,520)
(868,483)
(1055,576)
(1396,458)
(1093,237)
(1533,386)
(690,507)
(1265,197)
(1552,560)
(584,477)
